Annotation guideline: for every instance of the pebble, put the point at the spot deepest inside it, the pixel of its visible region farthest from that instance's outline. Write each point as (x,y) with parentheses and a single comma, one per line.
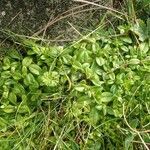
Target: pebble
(3,13)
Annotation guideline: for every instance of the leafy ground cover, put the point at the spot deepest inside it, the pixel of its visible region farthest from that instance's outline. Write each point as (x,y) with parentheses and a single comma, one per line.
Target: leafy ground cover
(93,94)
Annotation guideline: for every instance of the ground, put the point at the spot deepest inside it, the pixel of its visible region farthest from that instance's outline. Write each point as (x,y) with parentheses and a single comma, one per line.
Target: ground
(26,17)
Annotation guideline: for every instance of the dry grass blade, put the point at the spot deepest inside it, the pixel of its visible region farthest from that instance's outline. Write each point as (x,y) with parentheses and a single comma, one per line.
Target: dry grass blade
(57,19)
(101,6)
(134,130)
(67,14)
(74,29)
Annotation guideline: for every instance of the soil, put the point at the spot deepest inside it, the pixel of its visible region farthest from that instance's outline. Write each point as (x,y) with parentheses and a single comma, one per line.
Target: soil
(26,17)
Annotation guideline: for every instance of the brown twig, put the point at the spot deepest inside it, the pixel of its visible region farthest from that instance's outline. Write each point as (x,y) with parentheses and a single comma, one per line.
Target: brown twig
(101,6)
(14,18)
(134,130)
(65,15)
(57,19)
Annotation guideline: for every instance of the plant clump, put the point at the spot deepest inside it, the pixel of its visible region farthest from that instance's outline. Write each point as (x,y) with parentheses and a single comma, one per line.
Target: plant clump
(93,94)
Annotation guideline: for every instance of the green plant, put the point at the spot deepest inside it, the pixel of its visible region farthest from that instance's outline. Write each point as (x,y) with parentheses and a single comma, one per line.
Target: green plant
(93,94)
(142,9)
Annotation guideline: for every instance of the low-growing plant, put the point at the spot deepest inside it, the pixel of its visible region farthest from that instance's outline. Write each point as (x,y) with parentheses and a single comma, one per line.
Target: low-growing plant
(142,9)
(92,95)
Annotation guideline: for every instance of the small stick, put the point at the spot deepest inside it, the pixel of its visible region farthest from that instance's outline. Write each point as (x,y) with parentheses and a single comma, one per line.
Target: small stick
(101,6)
(74,28)
(134,130)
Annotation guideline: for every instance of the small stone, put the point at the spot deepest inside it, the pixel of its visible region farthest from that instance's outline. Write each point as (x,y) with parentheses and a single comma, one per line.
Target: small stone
(3,13)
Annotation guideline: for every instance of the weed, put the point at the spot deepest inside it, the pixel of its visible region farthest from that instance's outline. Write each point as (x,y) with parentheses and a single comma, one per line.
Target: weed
(91,94)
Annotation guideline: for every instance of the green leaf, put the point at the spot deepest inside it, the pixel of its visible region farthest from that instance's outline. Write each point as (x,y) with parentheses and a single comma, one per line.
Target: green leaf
(18,89)
(24,98)
(124,48)
(5,93)
(112,76)
(3,124)
(2,80)
(84,56)
(100,61)
(80,88)
(35,47)
(128,141)
(6,74)
(14,54)
(96,81)
(6,62)
(34,86)
(50,78)
(14,66)
(134,61)
(29,79)
(106,97)
(77,65)
(8,108)
(23,109)
(99,107)
(17,75)
(141,29)
(35,69)
(127,39)
(134,123)
(66,59)
(89,73)
(144,47)
(24,70)
(117,113)
(12,97)
(95,47)
(36,96)
(93,116)
(27,61)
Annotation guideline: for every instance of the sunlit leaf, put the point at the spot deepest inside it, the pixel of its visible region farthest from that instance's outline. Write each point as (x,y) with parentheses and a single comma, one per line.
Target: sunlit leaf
(100,61)
(27,61)
(35,69)
(106,97)
(13,98)
(8,108)
(134,61)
